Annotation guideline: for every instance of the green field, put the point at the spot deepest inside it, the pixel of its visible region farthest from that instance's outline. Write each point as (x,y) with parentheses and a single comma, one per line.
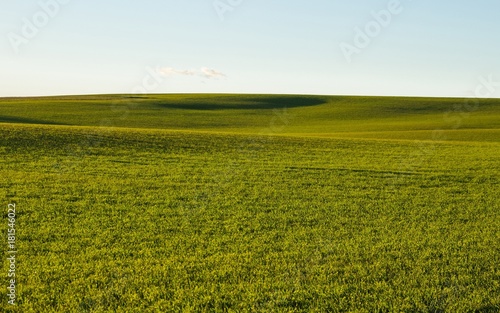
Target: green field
(252,203)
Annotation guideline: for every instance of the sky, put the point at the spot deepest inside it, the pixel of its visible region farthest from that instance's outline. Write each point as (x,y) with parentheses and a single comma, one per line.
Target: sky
(328,47)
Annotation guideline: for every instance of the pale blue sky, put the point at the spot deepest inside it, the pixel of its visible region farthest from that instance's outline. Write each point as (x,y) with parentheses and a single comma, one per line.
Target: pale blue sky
(431,48)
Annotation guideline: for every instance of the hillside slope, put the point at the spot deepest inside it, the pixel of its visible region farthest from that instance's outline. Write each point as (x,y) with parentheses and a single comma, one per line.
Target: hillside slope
(330,116)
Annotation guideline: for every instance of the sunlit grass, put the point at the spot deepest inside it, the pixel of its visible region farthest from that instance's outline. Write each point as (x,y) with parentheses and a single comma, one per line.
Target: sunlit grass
(267,219)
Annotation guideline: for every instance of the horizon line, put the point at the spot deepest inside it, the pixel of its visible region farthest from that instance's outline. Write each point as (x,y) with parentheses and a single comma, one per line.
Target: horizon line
(246,93)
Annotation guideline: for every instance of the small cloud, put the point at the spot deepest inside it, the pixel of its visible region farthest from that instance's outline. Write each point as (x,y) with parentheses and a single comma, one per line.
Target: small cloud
(211,73)
(204,72)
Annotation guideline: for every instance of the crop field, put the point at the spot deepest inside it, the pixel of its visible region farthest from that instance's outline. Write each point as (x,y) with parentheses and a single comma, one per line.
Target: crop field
(252,203)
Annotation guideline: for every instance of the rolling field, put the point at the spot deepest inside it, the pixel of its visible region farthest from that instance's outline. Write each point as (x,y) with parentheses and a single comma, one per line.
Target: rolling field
(252,203)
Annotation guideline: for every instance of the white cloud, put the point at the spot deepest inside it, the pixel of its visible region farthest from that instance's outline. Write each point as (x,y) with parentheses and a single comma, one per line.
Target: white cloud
(204,72)
(211,73)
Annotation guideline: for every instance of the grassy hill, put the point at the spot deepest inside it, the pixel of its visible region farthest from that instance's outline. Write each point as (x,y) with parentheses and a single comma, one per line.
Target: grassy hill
(252,203)
(360,117)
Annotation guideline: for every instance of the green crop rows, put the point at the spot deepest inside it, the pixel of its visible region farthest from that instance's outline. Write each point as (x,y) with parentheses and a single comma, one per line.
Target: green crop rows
(227,203)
